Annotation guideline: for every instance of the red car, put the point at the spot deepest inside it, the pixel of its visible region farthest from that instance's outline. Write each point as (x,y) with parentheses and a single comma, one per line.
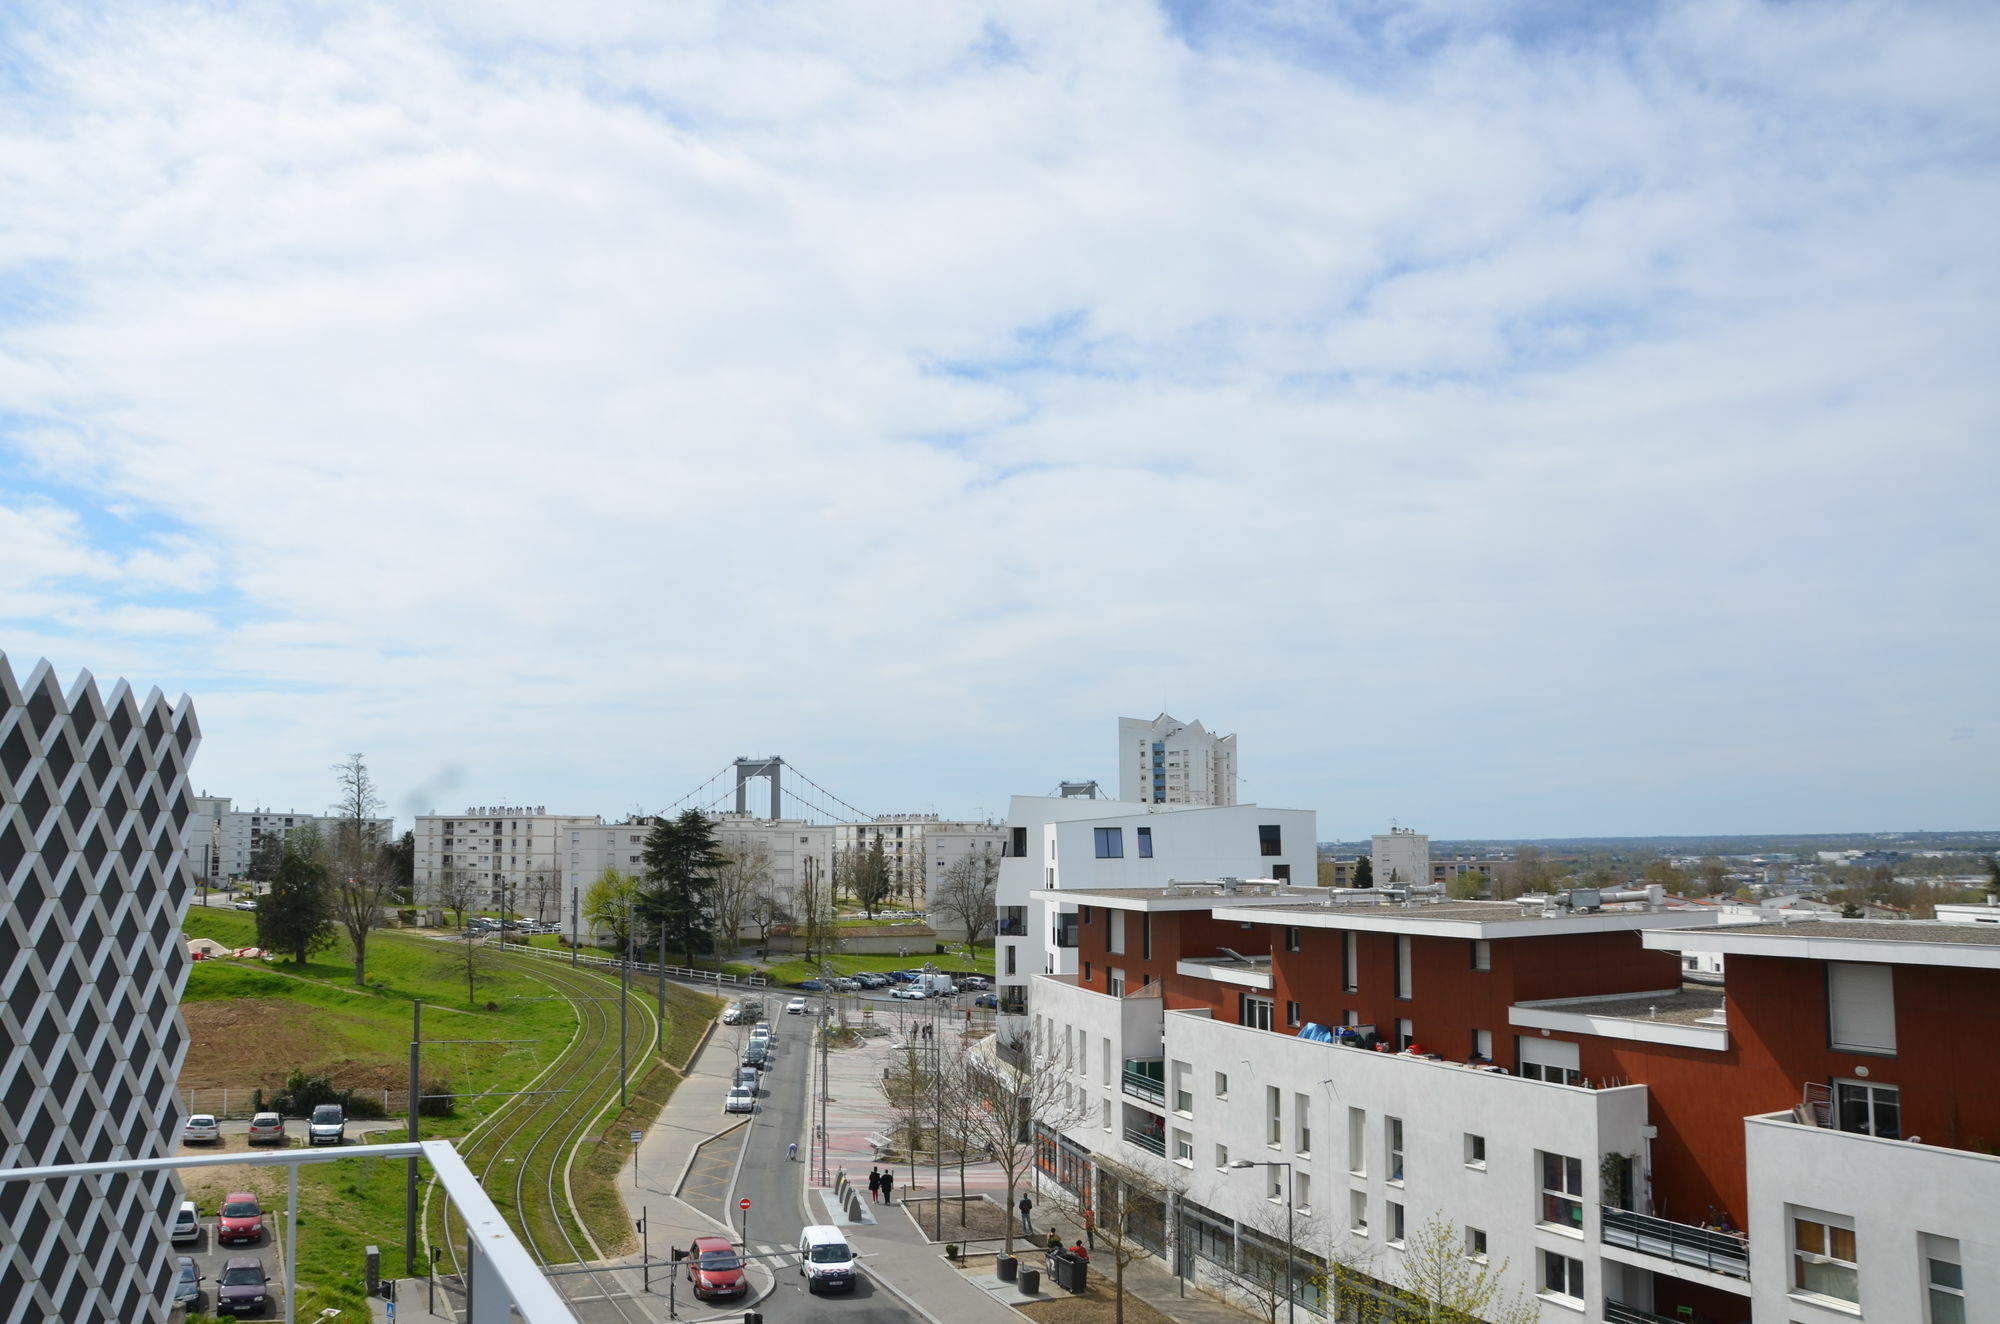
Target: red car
(714,1269)
(240,1219)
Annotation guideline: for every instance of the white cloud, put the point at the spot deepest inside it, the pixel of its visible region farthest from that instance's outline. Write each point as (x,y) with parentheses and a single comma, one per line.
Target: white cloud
(580,396)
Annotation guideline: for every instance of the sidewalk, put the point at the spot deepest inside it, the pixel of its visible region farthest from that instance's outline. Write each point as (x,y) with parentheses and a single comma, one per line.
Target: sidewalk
(893,1250)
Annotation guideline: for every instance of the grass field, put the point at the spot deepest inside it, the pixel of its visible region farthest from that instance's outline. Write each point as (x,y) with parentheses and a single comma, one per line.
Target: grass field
(792,971)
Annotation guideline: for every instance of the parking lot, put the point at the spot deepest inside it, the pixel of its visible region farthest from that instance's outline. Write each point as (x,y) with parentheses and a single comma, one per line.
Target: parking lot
(208,1254)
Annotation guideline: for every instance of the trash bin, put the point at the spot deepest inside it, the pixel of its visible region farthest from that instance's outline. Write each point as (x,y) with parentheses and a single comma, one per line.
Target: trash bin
(1031,1282)
(1079,1275)
(1005,1267)
(1059,1268)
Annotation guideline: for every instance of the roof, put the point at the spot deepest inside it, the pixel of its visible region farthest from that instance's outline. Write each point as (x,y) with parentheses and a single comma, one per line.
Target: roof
(1889,942)
(1459,919)
(1687,1006)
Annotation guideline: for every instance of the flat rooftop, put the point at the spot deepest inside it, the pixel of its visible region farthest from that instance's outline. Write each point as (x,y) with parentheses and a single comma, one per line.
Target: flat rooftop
(1458,919)
(1691,1005)
(1889,942)
(1876,930)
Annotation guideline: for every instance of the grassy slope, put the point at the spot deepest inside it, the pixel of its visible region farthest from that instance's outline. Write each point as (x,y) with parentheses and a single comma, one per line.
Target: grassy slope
(791,972)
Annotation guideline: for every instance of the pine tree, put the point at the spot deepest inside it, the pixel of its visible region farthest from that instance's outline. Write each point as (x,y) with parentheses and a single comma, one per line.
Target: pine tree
(1364,873)
(675,903)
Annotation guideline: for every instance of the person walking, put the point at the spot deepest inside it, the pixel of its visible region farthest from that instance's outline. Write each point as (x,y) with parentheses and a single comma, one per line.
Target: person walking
(792,1152)
(888,1188)
(874,1184)
(1027,1208)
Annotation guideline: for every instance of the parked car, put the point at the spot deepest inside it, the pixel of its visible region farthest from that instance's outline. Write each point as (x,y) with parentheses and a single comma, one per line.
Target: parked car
(187,1224)
(869,979)
(912,991)
(714,1269)
(842,984)
(202,1129)
(246,905)
(756,1054)
(904,976)
(825,1259)
(812,985)
(740,1100)
(267,1129)
(747,1078)
(243,1287)
(986,1000)
(239,1219)
(796,1007)
(187,1283)
(753,1009)
(328,1125)
(759,1031)
(974,981)
(732,1014)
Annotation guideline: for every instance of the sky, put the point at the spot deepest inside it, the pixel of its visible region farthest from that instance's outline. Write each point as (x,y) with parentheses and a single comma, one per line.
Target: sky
(1512,420)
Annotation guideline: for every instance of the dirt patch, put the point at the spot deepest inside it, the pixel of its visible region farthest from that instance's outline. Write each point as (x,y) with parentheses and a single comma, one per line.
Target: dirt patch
(1097,1304)
(244,1043)
(974,1219)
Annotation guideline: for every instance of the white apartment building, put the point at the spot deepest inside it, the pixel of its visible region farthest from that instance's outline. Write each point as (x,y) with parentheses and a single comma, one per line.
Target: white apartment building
(1055,843)
(906,845)
(223,840)
(1170,762)
(514,855)
(794,848)
(1400,857)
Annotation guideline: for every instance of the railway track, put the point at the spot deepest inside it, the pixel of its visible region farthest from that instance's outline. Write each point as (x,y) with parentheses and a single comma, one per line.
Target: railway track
(522,1153)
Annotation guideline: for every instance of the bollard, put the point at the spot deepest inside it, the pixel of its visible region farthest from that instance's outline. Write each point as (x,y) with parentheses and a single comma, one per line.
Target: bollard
(374,1269)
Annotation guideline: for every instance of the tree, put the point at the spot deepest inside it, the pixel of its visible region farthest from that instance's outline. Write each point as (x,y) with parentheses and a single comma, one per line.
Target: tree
(767,911)
(1531,871)
(1127,1207)
(1714,875)
(966,893)
(1468,886)
(1993,874)
(676,901)
(360,880)
(1443,1285)
(399,858)
(295,916)
(470,955)
(456,891)
(1264,1273)
(742,876)
(812,909)
(541,888)
(608,906)
(1664,873)
(1364,872)
(869,880)
(1002,1105)
(264,858)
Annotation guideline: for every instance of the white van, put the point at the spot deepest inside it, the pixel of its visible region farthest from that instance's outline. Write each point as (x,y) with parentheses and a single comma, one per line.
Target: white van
(825,1260)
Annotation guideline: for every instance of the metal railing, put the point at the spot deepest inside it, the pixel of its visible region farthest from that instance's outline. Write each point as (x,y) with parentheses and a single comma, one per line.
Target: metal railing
(1141,1083)
(686,974)
(1699,1247)
(1617,1312)
(1146,1140)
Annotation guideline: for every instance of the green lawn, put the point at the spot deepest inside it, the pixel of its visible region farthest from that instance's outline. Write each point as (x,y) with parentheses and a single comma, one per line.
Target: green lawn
(792,971)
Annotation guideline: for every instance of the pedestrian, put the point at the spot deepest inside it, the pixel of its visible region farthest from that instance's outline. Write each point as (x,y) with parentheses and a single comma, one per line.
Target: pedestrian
(1090,1228)
(874,1184)
(792,1152)
(888,1188)
(1081,1252)
(1027,1208)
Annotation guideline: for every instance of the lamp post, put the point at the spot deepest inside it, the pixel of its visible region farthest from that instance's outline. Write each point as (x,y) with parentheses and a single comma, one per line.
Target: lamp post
(1291,1292)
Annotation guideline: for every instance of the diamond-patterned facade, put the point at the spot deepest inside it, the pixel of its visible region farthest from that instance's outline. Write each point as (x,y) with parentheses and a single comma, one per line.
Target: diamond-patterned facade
(93,807)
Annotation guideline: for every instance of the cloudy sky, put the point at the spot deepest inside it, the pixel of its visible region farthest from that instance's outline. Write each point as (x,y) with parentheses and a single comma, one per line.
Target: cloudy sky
(1516,420)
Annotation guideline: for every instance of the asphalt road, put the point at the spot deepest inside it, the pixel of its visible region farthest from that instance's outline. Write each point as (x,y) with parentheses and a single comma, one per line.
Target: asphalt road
(209,1258)
(775,1186)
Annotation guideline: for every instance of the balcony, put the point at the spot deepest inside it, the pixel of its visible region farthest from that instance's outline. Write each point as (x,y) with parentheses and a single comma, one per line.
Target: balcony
(1616,1312)
(1697,1247)
(1146,1078)
(1146,1140)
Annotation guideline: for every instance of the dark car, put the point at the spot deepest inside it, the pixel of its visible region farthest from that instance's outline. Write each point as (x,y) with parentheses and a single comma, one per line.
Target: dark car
(714,1269)
(903,976)
(187,1284)
(986,1000)
(243,1288)
(811,985)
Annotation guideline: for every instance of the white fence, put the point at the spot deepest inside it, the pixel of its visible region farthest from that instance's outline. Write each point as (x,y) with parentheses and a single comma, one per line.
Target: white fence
(685,974)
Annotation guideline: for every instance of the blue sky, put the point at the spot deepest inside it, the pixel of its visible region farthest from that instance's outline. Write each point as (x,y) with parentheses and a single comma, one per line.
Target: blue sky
(1516,420)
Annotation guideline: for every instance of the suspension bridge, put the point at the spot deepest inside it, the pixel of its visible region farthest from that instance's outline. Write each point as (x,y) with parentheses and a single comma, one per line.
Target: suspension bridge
(731,785)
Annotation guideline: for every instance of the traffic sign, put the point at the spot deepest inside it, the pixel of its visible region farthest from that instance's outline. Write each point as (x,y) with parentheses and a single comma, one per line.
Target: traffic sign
(744,1203)
(637,1136)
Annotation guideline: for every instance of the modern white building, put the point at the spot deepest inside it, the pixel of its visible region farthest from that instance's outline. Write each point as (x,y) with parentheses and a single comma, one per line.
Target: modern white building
(1167,761)
(514,855)
(1055,843)
(93,889)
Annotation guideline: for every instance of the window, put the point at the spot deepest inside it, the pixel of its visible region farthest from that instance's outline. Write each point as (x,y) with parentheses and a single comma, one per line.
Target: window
(1475,1150)
(1350,963)
(1562,1191)
(1020,842)
(1011,960)
(1482,955)
(1114,932)
(1482,1044)
(1117,989)
(1222,1084)
(1869,1110)
(1406,1034)
(1104,1115)
(1268,840)
(1861,1007)
(1281,873)
(1552,1060)
(1086,972)
(1357,1142)
(1183,1147)
(1395,1223)
(1106,1078)
(1944,1277)
(1274,1117)
(1475,1244)
(1392,1142)
(1823,1256)
(1302,1120)
(1302,1192)
(1293,1016)
(1183,1091)
(1561,1275)
(1145,836)
(1222,1156)
(1291,939)
(1110,843)
(1145,937)
(1403,979)
(1357,1211)
(1256,1012)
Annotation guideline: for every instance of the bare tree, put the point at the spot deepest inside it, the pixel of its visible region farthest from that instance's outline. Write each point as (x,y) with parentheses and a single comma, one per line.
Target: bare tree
(1126,1209)
(361,879)
(541,887)
(1003,1105)
(767,911)
(470,955)
(812,908)
(965,894)
(869,879)
(743,876)
(456,891)
(1441,1284)
(1266,1273)
(914,873)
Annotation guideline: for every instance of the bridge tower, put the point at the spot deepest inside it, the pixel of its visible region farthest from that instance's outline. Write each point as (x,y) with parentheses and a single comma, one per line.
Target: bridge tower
(748,770)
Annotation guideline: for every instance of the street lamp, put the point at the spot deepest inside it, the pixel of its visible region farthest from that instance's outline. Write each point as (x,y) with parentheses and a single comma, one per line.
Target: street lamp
(1291,1293)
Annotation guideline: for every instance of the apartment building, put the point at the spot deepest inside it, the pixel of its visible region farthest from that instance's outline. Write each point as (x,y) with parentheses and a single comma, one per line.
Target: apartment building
(789,848)
(1055,843)
(514,855)
(93,888)
(1166,761)
(1536,1079)
(910,846)
(222,841)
